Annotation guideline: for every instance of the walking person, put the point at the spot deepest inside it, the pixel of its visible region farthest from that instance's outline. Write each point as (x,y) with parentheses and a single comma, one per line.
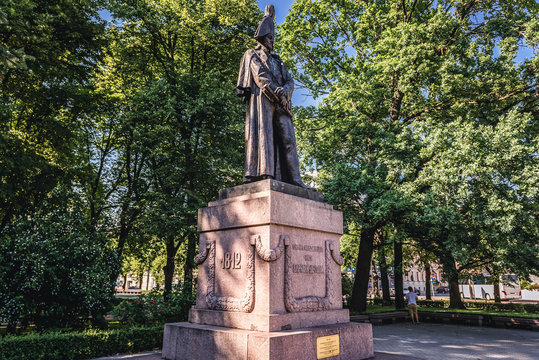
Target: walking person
(412,304)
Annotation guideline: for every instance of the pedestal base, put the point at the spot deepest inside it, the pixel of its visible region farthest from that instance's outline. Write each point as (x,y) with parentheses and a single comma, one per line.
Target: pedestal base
(273,322)
(187,341)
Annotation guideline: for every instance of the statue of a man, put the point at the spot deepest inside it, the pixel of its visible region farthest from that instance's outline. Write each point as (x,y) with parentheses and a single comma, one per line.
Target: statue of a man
(266,87)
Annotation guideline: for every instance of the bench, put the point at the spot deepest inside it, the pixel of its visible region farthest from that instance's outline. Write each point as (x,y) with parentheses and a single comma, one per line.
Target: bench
(359,318)
(451,317)
(380,318)
(502,321)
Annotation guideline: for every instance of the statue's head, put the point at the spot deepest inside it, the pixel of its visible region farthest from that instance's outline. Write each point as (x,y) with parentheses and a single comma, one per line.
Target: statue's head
(266,30)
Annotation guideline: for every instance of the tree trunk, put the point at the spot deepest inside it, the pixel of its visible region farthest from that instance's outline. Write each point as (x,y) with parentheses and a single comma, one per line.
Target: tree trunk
(375,290)
(122,239)
(428,294)
(386,295)
(148,280)
(497,292)
(192,239)
(397,268)
(358,302)
(455,301)
(11,327)
(471,289)
(169,268)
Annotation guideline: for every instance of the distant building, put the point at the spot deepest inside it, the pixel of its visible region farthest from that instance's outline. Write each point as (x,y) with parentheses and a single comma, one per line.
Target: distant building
(134,283)
(416,278)
(413,276)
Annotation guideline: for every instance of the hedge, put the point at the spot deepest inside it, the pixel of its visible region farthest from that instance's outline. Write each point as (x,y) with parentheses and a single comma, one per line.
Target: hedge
(80,345)
(483,305)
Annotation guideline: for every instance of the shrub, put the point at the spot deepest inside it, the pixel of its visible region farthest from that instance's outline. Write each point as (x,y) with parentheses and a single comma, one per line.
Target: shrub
(80,345)
(503,307)
(151,308)
(433,303)
(483,305)
(347,285)
(55,270)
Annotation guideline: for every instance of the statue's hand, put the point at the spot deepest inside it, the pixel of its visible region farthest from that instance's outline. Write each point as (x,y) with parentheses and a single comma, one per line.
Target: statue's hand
(280,92)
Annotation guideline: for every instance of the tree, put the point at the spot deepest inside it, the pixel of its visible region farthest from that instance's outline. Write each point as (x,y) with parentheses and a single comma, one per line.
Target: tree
(182,111)
(480,205)
(43,86)
(394,75)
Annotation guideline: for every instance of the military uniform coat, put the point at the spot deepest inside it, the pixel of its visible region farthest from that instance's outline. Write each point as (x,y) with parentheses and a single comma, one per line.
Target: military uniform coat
(258,69)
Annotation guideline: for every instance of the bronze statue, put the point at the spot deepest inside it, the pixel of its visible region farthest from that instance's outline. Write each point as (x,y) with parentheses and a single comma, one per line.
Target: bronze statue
(266,87)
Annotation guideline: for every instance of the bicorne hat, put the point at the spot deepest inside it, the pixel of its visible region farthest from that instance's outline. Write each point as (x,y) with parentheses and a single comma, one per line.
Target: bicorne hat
(266,25)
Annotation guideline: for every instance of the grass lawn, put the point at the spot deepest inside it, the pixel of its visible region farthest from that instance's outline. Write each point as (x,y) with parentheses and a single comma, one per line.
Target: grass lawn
(374,309)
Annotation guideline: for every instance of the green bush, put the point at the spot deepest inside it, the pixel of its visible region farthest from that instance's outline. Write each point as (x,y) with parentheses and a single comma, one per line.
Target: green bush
(378,301)
(80,345)
(483,305)
(151,308)
(347,285)
(55,269)
(503,307)
(433,303)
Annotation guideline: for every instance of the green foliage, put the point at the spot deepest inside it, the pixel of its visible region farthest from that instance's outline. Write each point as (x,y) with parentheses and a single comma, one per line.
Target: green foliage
(80,345)
(55,269)
(347,285)
(428,125)
(487,306)
(152,308)
(47,54)
(349,249)
(171,67)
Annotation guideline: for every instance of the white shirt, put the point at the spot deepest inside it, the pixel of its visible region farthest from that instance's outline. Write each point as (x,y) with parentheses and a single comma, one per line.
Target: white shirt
(411,297)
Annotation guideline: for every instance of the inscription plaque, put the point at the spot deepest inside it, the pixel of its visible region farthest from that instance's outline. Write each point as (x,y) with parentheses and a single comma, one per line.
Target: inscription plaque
(327,346)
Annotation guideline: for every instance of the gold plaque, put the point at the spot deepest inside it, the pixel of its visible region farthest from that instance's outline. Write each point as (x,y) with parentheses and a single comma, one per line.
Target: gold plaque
(327,346)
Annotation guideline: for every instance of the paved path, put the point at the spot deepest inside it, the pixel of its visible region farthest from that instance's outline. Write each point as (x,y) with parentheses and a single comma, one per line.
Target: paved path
(149,355)
(156,355)
(404,341)
(455,342)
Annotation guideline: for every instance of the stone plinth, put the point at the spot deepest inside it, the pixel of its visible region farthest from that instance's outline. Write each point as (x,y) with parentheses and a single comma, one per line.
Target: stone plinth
(269,278)
(186,341)
(270,260)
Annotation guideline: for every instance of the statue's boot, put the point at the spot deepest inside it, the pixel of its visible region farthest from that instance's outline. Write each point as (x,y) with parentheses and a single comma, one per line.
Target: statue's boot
(292,162)
(285,129)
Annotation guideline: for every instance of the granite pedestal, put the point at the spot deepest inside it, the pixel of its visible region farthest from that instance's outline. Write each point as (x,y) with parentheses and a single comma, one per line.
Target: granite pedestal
(269,280)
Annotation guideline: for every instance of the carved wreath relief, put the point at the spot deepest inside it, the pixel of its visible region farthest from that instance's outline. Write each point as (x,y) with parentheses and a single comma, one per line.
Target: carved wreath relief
(310,303)
(233,260)
(230,261)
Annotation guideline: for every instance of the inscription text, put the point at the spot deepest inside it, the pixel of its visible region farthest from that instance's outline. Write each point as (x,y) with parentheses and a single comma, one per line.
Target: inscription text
(232,260)
(307,269)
